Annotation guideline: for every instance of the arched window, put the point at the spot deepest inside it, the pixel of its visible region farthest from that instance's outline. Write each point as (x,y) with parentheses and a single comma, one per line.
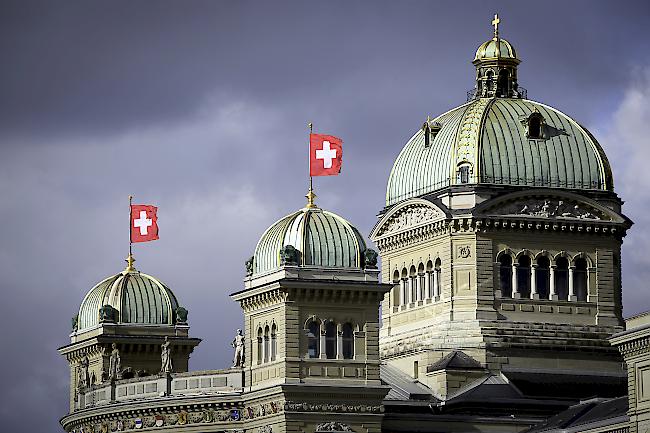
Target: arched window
(259,346)
(535,126)
(330,340)
(562,278)
(430,282)
(523,277)
(313,340)
(274,341)
(397,289)
(438,278)
(464,171)
(542,274)
(502,83)
(404,287)
(421,282)
(580,279)
(348,341)
(267,344)
(488,81)
(505,275)
(413,281)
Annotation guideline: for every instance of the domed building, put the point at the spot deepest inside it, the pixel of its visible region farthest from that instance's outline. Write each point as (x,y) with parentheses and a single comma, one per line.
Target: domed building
(500,303)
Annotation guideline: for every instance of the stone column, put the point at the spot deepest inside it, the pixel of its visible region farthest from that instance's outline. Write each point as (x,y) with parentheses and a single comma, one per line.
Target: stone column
(323,347)
(418,288)
(552,296)
(515,289)
(263,348)
(339,342)
(436,286)
(572,296)
(402,292)
(427,285)
(533,282)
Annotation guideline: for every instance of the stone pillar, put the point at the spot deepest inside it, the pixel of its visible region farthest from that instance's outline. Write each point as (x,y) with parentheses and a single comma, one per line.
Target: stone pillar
(420,294)
(410,290)
(552,296)
(402,292)
(436,286)
(323,347)
(515,289)
(427,285)
(572,296)
(533,282)
(263,349)
(339,342)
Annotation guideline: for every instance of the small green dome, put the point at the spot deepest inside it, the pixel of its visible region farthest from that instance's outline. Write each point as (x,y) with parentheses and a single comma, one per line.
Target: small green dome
(321,238)
(134,297)
(496,48)
(490,136)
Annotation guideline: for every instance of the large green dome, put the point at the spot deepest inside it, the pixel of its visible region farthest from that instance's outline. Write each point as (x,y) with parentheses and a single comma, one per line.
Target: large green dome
(321,238)
(135,298)
(491,137)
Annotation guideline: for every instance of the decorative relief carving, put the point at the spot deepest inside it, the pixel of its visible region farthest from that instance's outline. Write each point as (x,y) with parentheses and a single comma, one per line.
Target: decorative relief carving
(328,407)
(464,252)
(551,208)
(409,217)
(333,426)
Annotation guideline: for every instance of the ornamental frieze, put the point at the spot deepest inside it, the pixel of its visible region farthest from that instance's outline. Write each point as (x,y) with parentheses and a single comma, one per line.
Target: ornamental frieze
(328,407)
(409,217)
(550,208)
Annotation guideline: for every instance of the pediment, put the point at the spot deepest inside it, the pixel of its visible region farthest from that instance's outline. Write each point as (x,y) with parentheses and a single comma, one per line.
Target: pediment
(412,214)
(549,206)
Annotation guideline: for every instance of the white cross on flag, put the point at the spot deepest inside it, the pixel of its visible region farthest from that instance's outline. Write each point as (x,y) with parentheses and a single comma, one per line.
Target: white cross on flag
(325,155)
(144,223)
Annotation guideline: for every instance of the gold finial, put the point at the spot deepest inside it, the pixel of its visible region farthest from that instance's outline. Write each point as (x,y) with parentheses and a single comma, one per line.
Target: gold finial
(310,198)
(311,127)
(129,264)
(495,23)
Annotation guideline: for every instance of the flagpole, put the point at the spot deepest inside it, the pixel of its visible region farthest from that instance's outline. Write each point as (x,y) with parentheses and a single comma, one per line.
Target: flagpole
(129,260)
(310,195)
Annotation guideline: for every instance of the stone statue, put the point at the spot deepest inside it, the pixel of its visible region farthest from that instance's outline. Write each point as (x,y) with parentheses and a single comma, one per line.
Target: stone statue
(249,266)
(289,255)
(84,376)
(114,369)
(181,316)
(370,258)
(166,357)
(107,314)
(75,323)
(238,345)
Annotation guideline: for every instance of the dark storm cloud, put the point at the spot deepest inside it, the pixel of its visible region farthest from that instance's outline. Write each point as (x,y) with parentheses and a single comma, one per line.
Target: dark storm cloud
(201,108)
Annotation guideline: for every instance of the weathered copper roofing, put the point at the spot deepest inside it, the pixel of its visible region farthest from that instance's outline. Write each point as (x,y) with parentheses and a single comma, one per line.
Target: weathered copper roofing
(137,297)
(490,134)
(323,239)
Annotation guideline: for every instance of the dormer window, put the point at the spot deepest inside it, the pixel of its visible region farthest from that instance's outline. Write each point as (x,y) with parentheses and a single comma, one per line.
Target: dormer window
(464,172)
(430,129)
(534,125)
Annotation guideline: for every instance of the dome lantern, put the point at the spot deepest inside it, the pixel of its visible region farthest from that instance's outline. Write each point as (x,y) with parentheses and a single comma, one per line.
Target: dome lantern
(496,68)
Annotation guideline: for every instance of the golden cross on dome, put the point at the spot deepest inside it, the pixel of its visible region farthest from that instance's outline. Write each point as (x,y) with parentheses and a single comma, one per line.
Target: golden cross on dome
(495,23)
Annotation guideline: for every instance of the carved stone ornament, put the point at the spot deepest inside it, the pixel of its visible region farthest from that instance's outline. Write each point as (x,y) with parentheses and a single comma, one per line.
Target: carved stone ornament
(289,255)
(181,316)
(333,426)
(266,429)
(409,217)
(551,208)
(249,266)
(107,314)
(464,251)
(370,259)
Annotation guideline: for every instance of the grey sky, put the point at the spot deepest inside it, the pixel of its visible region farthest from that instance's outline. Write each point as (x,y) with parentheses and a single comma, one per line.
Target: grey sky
(201,108)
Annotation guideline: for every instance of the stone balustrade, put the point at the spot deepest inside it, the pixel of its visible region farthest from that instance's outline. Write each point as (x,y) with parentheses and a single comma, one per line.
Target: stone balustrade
(170,385)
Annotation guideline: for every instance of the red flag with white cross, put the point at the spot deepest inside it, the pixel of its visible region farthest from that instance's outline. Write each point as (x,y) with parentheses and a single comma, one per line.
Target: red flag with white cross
(325,155)
(144,223)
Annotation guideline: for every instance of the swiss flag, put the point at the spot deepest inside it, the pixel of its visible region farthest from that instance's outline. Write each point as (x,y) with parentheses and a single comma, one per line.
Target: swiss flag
(325,155)
(144,223)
